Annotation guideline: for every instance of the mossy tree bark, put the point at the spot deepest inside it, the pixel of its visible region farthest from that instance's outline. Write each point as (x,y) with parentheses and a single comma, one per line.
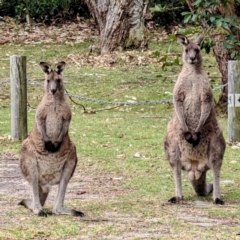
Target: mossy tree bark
(120,23)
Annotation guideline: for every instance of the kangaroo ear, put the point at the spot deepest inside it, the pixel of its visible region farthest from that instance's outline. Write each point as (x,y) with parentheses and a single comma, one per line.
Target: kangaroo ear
(199,40)
(45,67)
(60,67)
(182,39)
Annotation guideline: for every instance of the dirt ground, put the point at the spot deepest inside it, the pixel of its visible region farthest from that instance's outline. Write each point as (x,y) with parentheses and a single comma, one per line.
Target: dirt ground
(82,186)
(13,188)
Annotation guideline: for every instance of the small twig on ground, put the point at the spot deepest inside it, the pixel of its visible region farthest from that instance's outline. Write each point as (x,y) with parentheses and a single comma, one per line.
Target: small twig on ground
(110,108)
(95,219)
(84,109)
(28,104)
(11,176)
(153,117)
(92,111)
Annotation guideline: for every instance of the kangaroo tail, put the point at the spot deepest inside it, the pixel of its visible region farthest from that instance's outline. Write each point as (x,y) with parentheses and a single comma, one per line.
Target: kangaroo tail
(200,186)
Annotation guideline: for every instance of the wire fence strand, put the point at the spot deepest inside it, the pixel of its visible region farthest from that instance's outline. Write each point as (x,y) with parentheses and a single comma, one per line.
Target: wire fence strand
(100,101)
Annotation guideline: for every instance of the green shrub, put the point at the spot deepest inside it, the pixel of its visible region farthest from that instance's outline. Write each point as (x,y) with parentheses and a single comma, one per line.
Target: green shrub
(167,12)
(217,22)
(41,9)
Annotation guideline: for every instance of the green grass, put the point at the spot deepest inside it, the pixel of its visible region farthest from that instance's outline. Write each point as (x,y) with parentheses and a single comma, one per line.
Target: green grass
(120,154)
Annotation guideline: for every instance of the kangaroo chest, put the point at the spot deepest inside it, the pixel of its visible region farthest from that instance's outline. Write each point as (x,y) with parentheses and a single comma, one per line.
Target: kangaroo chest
(54,121)
(192,90)
(192,96)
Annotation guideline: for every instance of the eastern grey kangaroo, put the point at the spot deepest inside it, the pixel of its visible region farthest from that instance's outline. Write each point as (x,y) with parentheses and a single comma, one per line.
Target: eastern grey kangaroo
(48,156)
(194,140)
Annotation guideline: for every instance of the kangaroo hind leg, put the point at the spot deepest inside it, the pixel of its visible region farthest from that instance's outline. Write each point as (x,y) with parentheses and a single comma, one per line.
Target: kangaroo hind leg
(37,201)
(173,155)
(216,153)
(67,173)
(29,168)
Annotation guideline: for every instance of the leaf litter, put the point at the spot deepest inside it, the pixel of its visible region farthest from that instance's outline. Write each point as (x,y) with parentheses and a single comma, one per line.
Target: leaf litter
(71,33)
(23,33)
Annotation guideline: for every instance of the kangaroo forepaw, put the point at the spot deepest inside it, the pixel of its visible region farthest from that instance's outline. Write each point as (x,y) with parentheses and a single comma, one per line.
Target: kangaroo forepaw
(49,146)
(174,200)
(187,136)
(77,213)
(218,201)
(193,139)
(57,144)
(52,147)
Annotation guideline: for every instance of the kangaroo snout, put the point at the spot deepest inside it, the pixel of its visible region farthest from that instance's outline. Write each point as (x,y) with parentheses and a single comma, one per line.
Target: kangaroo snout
(53,86)
(53,91)
(192,59)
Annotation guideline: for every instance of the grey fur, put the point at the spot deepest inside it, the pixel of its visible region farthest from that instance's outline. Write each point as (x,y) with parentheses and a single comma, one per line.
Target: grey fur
(48,156)
(194,140)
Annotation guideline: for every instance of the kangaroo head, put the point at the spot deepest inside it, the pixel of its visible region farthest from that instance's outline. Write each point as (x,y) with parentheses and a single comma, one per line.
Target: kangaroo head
(191,53)
(53,78)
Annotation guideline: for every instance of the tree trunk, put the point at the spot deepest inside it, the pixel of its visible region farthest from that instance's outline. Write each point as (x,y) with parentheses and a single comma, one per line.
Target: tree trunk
(120,23)
(222,56)
(18,97)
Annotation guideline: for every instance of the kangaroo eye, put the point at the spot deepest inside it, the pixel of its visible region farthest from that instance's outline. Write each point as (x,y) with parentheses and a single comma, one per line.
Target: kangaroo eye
(197,50)
(58,80)
(186,50)
(48,81)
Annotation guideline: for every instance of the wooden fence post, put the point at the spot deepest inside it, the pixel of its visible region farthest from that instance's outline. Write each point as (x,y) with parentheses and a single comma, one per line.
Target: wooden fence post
(234,101)
(18,97)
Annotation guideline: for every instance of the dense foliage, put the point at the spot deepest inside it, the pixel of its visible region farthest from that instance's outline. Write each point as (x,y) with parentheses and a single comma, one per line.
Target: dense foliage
(219,17)
(167,12)
(40,10)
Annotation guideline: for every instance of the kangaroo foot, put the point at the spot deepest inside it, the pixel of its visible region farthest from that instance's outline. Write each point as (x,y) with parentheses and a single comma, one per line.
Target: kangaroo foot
(27,203)
(174,200)
(218,201)
(77,213)
(68,212)
(42,214)
(22,203)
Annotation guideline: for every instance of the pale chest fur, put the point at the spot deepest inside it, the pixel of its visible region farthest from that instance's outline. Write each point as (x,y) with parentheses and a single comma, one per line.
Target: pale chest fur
(53,114)
(191,90)
(54,120)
